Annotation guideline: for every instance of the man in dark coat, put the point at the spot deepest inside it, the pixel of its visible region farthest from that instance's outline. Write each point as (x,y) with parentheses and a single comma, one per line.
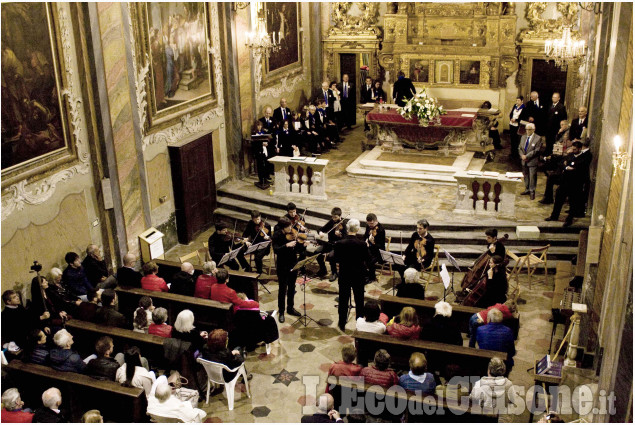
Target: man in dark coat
(184,281)
(127,276)
(96,269)
(49,412)
(286,258)
(352,255)
(104,367)
(578,125)
(325,412)
(556,113)
(282,113)
(107,314)
(347,90)
(366,92)
(403,88)
(534,112)
(268,123)
(496,336)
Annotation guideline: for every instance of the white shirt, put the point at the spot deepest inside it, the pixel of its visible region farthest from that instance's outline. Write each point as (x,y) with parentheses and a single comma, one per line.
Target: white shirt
(173,407)
(142,377)
(376,327)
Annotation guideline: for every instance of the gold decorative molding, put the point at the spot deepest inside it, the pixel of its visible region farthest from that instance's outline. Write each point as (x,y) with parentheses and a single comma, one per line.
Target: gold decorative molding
(345,22)
(542,28)
(20,195)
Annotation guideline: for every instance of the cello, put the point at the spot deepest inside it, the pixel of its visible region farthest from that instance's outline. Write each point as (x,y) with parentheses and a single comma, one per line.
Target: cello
(473,276)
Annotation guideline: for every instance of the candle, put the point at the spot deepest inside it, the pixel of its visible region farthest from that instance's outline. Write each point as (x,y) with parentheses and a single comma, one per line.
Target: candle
(617,141)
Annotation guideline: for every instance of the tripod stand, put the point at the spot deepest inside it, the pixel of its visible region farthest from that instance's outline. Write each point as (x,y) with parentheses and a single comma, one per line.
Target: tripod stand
(304,319)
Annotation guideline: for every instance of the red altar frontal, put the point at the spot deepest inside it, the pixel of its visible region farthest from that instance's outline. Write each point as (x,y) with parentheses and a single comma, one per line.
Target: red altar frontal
(453,130)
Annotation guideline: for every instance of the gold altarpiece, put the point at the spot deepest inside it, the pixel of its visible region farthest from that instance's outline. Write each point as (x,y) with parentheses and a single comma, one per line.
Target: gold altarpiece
(462,45)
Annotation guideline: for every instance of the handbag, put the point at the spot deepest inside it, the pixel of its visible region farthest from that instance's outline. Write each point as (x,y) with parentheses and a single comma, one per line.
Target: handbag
(176,381)
(188,395)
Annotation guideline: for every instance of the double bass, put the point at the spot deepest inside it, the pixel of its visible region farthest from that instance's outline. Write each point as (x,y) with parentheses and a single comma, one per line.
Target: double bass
(476,273)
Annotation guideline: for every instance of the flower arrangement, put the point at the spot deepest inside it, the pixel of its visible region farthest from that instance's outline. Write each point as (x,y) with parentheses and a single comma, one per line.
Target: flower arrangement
(422,106)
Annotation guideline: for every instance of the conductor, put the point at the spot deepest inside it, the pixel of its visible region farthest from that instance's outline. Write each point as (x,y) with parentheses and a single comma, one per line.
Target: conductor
(352,255)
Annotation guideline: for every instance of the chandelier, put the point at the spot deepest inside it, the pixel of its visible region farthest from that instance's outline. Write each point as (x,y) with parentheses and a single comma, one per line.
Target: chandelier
(259,40)
(564,50)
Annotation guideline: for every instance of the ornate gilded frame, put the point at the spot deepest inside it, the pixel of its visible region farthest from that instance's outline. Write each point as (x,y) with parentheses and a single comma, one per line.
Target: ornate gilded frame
(59,29)
(157,120)
(272,78)
(484,79)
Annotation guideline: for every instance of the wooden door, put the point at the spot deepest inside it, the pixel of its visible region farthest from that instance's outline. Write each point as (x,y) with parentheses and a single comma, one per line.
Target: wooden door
(192,164)
(547,78)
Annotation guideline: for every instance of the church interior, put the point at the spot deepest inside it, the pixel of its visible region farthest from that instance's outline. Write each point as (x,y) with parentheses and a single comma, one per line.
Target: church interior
(463,168)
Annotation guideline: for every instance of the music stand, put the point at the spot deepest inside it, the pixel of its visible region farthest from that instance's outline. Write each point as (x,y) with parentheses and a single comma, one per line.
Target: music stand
(390,258)
(231,255)
(304,319)
(455,264)
(259,247)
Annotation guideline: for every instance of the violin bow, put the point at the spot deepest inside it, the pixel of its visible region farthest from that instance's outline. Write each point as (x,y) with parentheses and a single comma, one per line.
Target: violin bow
(262,228)
(400,244)
(338,223)
(234,234)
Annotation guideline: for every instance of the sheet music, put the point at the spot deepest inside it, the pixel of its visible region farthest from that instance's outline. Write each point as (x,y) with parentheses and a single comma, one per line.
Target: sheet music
(445,276)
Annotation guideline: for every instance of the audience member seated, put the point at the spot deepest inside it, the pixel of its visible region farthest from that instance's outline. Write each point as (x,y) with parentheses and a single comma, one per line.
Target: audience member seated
(478,319)
(133,374)
(216,351)
(252,326)
(206,280)
(36,349)
(324,411)
(379,373)
(127,276)
(87,310)
(150,280)
(411,288)
(222,293)
(92,417)
(59,294)
(158,326)
(183,281)
(551,418)
(143,315)
(96,269)
(496,336)
(104,366)
(12,405)
(62,357)
(374,320)
(442,328)
(50,411)
(163,403)
(406,325)
(74,276)
(185,330)
(16,320)
(494,391)
(417,379)
(345,367)
(42,308)
(107,313)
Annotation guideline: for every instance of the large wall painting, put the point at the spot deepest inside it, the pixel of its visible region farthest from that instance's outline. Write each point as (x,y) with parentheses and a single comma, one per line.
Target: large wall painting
(283,23)
(176,39)
(34,114)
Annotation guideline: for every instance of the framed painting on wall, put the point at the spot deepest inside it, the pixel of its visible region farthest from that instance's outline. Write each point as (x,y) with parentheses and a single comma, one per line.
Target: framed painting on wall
(419,70)
(283,24)
(175,37)
(470,72)
(35,114)
(444,71)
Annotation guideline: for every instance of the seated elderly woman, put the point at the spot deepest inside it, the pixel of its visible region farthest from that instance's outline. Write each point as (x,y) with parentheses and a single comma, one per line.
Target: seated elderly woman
(217,351)
(12,411)
(205,281)
(185,330)
(411,288)
(92,417)
(405,325)
(150,280)
(62,357)
(158,326)
(59,294)
(163,404)
(494,391)
(442,328)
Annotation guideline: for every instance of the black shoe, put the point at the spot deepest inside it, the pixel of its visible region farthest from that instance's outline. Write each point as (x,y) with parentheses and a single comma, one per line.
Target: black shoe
(293,312)
(545,201)
(281,317)
(532,196)
(333,277)
(567,223)
(525,192)
(322,273)
(551,219)
(342,327)
(579,215)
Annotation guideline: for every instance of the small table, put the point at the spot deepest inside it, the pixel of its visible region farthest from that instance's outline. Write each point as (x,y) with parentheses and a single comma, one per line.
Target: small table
(546,382)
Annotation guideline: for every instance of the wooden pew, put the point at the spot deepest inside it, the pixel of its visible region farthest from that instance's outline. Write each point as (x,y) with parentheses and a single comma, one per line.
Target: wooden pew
(238,280)
(87,333)
(472,361)
(208,314)
(392,305)
(350,394)
(80,393)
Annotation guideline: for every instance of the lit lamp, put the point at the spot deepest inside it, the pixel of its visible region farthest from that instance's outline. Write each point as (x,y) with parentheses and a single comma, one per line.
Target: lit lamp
(564,50)
(620,159)
(259,40)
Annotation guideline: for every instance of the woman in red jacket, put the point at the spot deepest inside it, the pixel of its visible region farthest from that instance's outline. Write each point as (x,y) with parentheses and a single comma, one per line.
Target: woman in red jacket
(150,280)
(406,325)
(206,280)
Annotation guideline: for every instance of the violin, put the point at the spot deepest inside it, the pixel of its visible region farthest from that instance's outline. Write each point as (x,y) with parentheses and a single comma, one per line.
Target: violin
(298,223)
(233,236)
(420,248)
(295,235)
(263,228)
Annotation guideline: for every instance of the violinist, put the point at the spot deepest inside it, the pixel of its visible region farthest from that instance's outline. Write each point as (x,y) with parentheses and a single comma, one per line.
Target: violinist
(287,250)
(375,238)
(494,246)
(221,242)
(335,230)
(496,283)
(420,250)
(296,221)
(257,231)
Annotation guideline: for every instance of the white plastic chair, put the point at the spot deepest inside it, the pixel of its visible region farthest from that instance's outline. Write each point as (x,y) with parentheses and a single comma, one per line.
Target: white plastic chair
(215,375)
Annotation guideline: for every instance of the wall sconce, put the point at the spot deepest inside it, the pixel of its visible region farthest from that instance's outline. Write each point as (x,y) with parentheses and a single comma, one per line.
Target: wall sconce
(620,159)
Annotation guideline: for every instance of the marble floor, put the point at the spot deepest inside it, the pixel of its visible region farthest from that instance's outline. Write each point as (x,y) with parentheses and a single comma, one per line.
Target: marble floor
(277,390)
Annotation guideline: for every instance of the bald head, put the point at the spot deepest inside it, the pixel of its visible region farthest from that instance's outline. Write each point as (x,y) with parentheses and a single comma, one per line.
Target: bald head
(325,403)
(283,103)
(325,85)
(187,267)
(129,259)
(52,398)
(418,364)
